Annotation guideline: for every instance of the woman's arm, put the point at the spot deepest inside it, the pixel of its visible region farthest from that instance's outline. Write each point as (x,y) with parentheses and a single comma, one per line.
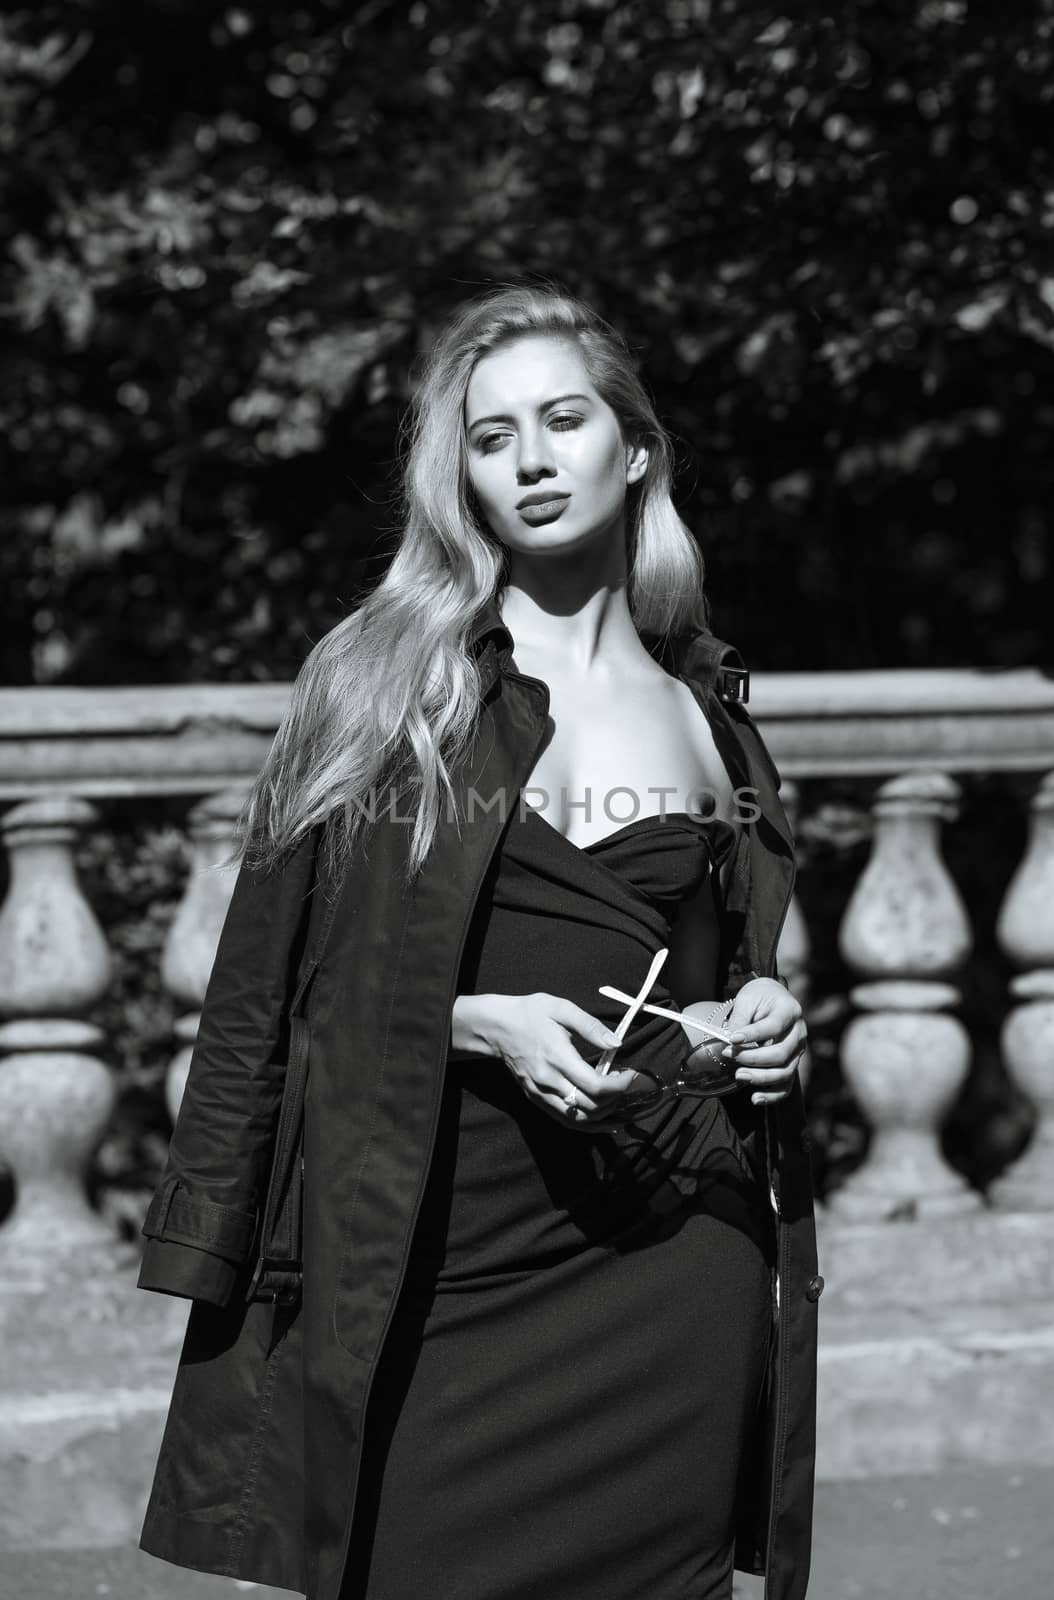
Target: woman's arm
(202,1219)
(471,1025)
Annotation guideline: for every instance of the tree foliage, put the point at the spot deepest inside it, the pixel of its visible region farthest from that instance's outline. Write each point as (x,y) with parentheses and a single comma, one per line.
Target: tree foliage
(230,231)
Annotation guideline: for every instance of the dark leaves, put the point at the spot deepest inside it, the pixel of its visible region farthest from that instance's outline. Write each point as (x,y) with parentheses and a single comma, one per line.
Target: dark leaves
(828,239)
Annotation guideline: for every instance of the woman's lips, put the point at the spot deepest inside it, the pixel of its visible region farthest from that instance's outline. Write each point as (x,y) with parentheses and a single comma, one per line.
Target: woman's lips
(546,511)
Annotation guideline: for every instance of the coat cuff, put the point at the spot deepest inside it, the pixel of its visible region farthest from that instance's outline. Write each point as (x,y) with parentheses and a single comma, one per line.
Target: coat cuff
(183,1269)
(175,1215)
(734,984)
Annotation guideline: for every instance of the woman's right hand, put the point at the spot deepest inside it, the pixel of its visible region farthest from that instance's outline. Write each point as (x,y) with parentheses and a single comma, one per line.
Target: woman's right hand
(531,1034)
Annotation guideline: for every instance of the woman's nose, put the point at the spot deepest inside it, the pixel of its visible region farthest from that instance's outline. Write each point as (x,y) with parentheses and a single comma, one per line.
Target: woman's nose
(535,453)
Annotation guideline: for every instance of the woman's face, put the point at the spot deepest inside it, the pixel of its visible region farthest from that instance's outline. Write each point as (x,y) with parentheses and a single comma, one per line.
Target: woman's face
(545,455)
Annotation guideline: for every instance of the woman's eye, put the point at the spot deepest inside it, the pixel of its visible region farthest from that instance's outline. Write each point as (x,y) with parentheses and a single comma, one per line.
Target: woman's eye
(489,442)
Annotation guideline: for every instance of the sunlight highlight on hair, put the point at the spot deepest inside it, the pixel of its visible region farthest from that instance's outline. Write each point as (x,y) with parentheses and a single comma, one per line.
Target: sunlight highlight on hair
(387,700)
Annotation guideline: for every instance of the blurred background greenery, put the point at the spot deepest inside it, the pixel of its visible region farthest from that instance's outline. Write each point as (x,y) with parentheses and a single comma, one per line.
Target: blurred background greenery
(229,231)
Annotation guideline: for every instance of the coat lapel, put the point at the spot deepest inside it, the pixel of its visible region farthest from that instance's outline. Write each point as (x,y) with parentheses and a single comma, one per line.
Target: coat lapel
(763,894)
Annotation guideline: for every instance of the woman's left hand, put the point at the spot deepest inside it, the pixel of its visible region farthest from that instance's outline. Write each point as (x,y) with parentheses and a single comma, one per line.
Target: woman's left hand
(768,1037)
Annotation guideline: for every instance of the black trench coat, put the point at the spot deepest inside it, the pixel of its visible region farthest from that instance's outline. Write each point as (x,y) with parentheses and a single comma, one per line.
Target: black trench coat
(257,1472)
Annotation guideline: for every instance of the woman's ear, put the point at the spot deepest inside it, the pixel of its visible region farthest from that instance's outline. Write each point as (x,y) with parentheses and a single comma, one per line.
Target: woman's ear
(636,462)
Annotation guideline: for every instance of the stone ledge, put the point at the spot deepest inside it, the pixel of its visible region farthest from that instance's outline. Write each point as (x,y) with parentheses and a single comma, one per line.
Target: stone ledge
(984,1257)
(936,1344)
(926,1403)
(79,1479)
(182,739)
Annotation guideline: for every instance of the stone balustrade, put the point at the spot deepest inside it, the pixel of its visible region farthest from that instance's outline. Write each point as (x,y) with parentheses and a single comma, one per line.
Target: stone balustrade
(905,931)
(56,1095)
(904,935)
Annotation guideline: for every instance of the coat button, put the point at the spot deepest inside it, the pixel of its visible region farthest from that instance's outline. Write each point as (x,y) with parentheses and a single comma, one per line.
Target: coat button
(814,1289)
(805,1140)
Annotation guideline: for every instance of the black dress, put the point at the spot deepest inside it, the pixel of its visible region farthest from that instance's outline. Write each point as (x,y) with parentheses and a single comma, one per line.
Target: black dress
(581,1339)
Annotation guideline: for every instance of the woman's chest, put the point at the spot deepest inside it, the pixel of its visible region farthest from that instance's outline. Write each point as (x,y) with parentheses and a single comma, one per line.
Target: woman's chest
(611,756)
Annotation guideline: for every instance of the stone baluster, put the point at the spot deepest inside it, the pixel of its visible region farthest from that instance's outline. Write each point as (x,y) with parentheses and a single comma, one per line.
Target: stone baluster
(906,929)
(56,1094)
(792,957)
(190,948)
(1025,931)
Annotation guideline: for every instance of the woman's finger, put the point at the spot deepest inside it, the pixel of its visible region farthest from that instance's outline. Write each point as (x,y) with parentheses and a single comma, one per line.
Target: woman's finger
(774,1026)
(766,1035)
(557,1093)
(559,1110)
(764,1062)
(767,1078)
(779,1084)
(602,1087)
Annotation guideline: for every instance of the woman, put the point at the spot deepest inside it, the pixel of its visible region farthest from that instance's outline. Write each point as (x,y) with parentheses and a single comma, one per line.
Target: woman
(554,1338)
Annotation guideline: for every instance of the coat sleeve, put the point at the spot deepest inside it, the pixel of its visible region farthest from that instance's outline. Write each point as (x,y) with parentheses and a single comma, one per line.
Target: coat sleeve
(738,972)
(202,1220)
(738,978)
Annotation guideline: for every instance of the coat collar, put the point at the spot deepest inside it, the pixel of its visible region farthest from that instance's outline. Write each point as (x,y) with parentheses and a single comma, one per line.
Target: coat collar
(717,668)
(695,652)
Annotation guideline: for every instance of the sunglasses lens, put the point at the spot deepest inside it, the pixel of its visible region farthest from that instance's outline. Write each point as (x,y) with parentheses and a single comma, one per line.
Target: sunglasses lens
(633,1103)
(710,1076)
(648,1094)
(706,1066)
(708,1079)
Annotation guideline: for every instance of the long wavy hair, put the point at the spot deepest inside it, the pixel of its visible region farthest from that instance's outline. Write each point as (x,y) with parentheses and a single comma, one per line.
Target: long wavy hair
(385,702)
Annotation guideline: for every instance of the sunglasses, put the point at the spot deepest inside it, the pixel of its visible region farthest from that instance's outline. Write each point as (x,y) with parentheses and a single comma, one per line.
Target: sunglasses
(706,1072)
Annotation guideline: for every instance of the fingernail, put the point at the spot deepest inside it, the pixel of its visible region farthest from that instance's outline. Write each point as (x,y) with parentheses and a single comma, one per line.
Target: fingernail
(742,1077)
(737,1038)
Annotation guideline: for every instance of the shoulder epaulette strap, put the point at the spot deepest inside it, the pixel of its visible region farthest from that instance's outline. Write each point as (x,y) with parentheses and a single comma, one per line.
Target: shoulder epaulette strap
(731,675)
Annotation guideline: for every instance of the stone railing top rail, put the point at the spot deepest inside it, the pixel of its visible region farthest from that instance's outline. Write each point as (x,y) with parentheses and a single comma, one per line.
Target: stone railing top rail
(197,738)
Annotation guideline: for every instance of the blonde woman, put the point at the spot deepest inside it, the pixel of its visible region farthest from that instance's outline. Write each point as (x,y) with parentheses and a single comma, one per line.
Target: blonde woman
(556,1331)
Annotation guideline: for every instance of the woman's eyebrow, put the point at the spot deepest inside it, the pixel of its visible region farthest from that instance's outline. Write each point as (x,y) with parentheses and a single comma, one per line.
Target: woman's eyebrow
(543,407)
